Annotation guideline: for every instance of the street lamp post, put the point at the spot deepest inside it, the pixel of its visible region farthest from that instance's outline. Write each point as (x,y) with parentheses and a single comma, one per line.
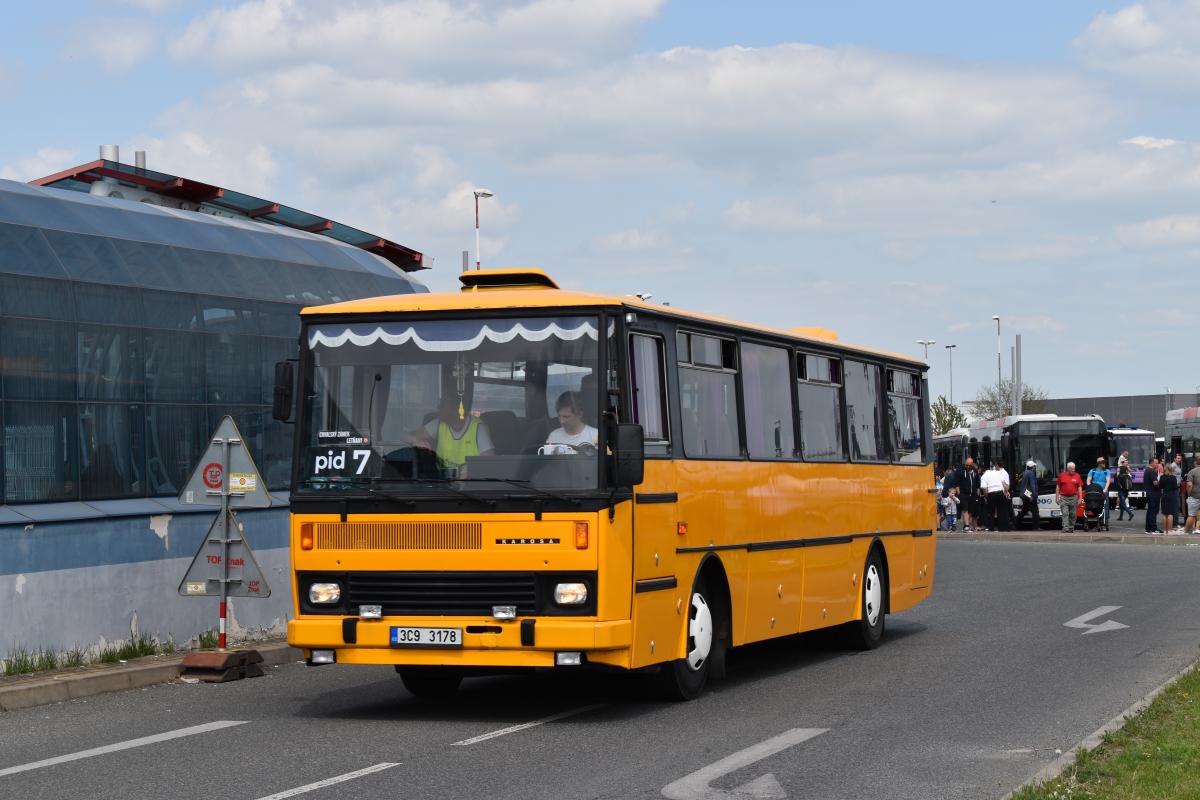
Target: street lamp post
(950,352)
(478,194)
(925,343)
(999,377)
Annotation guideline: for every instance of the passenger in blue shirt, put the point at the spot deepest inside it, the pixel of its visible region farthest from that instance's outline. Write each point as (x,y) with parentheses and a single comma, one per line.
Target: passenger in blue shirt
(1101,477)
(1028,492)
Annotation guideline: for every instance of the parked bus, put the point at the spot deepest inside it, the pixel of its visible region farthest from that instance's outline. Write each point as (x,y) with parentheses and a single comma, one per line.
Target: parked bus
(745,483)
(1139,443)
(1047,439)
(1183,434)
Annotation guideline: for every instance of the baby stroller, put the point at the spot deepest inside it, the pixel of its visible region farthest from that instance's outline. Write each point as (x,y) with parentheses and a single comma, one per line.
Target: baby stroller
(1093,508)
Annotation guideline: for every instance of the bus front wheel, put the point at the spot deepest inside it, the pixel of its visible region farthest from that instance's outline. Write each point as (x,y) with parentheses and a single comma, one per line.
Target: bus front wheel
(866,632)
(430,681)
(684,678)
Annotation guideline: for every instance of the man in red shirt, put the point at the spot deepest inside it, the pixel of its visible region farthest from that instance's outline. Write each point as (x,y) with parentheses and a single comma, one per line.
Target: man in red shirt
(1066,494)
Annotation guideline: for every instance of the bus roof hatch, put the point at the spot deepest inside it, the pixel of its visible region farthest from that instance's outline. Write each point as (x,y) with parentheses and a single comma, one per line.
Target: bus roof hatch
(490,279)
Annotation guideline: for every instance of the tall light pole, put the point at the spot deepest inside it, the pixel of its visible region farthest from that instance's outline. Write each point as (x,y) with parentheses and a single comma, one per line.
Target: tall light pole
(478,194)
(950,352)
(925,343)
(999,377)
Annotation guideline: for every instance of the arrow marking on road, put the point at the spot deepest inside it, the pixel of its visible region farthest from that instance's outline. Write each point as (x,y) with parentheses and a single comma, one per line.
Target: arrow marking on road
(1084,621)
(696,786)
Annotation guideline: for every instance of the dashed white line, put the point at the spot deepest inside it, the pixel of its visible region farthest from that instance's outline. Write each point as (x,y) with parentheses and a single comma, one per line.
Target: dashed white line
(126,745)
(349,776)
(526,725)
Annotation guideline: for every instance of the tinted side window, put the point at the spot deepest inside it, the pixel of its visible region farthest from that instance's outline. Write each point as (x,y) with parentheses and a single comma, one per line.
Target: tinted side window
(708,399)
(766,384)
(649,391)
(820,397)
(863,412)
(904,416)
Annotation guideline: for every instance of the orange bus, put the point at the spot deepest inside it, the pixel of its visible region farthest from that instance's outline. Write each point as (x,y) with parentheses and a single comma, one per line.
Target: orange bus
(523,476)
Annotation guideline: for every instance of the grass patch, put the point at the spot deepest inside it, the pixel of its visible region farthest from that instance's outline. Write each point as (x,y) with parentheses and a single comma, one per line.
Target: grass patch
(140,645)
(109,654)
(208,640)
(45,660)
(19,662)
(1155,755)
(75,657)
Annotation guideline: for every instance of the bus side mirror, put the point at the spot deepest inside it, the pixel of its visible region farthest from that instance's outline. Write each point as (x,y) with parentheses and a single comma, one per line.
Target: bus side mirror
(281,400)
(629,455)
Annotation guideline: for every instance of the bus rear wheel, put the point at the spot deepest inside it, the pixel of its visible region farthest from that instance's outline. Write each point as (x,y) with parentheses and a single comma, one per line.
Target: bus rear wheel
(430,681)
(685,678)
(866,632)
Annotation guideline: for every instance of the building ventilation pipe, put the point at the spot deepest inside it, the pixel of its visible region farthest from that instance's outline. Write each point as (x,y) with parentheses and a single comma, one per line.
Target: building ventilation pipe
(139,159)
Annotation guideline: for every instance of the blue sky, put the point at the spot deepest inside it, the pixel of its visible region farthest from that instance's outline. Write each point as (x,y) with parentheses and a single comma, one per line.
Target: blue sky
(894,171)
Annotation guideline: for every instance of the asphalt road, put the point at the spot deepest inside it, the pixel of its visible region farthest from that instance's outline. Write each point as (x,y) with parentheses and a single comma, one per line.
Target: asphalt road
(970,694)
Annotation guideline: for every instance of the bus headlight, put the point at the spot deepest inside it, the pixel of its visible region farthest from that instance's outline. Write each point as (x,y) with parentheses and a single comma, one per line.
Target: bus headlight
(570,594)
(324,593)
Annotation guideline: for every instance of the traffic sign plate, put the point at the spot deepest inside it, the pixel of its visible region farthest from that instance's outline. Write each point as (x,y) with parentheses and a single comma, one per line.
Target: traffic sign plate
(244,576)
(231,474)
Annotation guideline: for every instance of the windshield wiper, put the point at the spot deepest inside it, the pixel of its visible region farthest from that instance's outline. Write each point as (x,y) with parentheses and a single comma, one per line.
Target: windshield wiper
(521,483)
(444,483)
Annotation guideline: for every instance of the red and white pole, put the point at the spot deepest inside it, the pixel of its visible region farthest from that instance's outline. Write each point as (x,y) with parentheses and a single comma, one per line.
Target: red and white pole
(221,634)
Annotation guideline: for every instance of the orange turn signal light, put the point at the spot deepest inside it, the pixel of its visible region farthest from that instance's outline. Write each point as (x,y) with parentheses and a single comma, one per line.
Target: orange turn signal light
(681,528)
(581,535)
(306,536)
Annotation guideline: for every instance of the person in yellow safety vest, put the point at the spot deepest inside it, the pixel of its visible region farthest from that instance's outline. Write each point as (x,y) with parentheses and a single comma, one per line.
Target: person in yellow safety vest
(454,435)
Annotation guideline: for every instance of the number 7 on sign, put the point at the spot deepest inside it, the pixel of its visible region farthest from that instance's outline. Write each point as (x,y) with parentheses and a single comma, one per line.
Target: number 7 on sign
(362,457)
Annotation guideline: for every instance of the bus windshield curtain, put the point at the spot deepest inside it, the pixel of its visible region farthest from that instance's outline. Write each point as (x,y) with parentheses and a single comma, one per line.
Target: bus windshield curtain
(451,336)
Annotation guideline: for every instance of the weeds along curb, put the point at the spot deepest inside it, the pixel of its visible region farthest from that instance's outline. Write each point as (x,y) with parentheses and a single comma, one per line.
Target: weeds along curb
(1059,765)
(29,692)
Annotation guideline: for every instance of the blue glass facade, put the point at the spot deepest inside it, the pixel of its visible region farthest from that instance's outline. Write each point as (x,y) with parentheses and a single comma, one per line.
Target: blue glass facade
(128,330)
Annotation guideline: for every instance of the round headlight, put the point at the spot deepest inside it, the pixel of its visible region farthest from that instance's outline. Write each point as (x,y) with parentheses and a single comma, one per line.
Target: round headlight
(570,594)
(324,593)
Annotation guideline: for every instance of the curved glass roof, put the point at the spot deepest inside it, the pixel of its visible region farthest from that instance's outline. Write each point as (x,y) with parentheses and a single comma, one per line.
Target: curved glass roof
(58,233)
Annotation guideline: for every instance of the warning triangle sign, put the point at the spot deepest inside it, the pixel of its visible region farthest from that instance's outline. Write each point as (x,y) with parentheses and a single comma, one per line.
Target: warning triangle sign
(231,473)
(245,578)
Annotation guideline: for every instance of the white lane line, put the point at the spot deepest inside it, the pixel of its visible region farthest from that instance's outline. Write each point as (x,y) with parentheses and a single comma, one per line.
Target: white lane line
(526,725)
(127,745)
(349,776)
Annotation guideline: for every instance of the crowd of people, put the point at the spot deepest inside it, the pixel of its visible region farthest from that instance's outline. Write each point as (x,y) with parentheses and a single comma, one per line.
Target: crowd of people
(984,501)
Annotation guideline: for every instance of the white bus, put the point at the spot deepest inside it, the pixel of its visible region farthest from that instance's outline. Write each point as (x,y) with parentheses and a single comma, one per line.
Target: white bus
(1183,434)
(1139,443)
(1049,440)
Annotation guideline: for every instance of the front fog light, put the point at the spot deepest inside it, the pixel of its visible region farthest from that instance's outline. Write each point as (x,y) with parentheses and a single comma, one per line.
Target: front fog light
(322,657)
(568,659)
(570,594)
(324,593)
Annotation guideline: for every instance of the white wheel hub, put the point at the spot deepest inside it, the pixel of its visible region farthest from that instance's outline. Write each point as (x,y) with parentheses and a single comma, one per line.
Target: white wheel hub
(700,630)
(872,595)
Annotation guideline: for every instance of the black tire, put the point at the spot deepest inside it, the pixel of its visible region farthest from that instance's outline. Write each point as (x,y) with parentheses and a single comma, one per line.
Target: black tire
(431,682)
(866,633)
(685,678)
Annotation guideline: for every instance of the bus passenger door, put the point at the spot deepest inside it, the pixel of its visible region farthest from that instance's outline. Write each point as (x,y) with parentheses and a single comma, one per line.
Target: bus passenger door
(656,623)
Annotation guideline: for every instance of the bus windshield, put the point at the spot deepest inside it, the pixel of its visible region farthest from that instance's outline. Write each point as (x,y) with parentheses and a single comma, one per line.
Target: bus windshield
(501,403)
(1140,447)
(1052,444)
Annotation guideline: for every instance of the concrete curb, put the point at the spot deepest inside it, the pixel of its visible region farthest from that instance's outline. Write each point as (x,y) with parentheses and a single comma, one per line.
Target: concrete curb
(27,692)
(1108,537)
(1059,765)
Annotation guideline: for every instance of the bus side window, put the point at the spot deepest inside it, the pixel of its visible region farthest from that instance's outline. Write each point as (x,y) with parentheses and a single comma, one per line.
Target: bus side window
(648,392)
(819,393)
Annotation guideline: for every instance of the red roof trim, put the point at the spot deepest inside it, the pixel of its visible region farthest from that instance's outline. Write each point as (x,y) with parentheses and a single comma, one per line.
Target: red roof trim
(73,172)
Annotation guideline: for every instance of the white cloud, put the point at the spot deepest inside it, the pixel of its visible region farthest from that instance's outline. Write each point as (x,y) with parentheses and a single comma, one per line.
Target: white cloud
(1165,231)
(436,38)
(1052,249)
(117,44)
(1157,42)
(632,239)
(1036,323)
(1150,142)
(773,214)
(47,161)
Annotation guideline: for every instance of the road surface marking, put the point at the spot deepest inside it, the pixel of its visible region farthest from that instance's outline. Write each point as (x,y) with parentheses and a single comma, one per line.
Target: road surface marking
(1084,621)
(696,786)
(127,745)
(525,725)
(349,776)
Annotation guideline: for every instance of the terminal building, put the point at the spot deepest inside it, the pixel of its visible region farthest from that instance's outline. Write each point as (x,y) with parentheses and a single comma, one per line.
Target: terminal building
(1147,411)
(137,309)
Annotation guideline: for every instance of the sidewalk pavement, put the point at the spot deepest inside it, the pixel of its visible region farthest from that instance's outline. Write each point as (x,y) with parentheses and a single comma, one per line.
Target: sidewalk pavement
(26,691)
(1127,532)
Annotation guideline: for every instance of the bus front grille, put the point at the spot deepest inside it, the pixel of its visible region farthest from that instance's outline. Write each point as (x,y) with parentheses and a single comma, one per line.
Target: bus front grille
(443,593)
(399,536)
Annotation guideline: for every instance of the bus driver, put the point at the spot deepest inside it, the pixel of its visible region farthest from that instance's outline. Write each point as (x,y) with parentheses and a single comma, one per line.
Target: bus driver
(572,429)
(454,435)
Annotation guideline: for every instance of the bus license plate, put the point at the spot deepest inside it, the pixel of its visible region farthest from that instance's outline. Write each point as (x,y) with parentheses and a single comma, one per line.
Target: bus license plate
(427,637)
